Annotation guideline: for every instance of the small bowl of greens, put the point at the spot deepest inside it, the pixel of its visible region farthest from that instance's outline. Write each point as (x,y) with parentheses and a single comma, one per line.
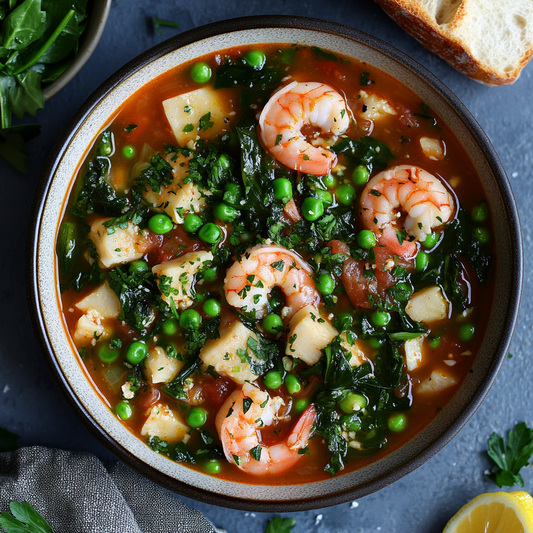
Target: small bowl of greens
(43,45)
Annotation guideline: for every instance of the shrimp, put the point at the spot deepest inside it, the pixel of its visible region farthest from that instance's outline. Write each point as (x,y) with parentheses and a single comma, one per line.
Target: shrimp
(239,423)
(422,197)
(250,279)
(290,109)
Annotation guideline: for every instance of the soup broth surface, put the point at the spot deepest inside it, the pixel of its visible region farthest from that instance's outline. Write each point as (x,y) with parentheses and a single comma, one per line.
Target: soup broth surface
(276,287)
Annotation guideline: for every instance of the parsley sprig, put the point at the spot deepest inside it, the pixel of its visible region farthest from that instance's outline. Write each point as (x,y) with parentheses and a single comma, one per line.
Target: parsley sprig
(510,458)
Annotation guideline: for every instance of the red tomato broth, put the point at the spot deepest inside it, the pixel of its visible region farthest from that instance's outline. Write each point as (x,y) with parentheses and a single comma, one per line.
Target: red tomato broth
(144,109)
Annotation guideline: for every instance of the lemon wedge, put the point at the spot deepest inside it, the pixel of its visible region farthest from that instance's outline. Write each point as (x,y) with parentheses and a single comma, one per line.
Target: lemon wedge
(496,512)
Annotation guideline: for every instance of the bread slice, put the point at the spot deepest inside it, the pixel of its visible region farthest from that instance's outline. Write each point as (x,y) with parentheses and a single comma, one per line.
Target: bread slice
(490,41)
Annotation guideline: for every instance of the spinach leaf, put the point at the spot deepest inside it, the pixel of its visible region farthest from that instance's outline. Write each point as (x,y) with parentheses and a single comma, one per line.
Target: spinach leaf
(367,151)
(13,144)
(139,297)
(176,387)
(257,175)
(25,24)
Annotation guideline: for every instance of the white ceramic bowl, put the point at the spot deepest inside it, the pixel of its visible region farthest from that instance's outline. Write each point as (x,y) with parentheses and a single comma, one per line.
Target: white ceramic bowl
(57,181)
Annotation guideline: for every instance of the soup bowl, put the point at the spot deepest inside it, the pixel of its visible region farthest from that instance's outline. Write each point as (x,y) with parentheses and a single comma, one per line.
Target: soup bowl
(62,357)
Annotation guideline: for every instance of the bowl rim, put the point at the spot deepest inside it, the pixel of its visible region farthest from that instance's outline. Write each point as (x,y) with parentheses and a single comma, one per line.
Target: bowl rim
(281,22)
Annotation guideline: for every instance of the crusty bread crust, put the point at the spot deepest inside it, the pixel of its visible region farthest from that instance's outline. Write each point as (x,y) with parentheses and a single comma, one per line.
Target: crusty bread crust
(413,17)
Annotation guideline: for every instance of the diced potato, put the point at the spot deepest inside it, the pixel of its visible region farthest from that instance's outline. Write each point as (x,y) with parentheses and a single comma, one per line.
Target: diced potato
(373,107)
(164,423)
(162,368)
(179,198)
(185,111)
(89,327)
(352,348)
(437,382)
(308,334)
(182,272)
(432,148)
(427,305)
(122,246)
(413,352)
(222,353)
(103,300)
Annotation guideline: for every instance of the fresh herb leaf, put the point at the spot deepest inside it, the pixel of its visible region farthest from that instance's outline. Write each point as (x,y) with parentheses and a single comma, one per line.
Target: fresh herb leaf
(281,525)
(161,22)
(25,519)
(322,54)
(8,440)
(510,458)
(366,151)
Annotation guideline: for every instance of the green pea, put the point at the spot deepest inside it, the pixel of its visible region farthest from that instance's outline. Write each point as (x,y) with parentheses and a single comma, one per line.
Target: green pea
(397,422)
(312,209)
(190,319)
(301,405)
(136,352)
(124,410)
(210,233)
(480,212)
(374,343)
(482,235)
(256,59)
(366,239)
(282,189)
(343,321)
(225,212)
(325,284)
(345,194)
(421,261)
(246,236)
(431,240)
(380,318)
(213,466)
(434,343)
(329,181)
(212,307)
(351,422)
(352,402)
(160,224)
(466,332)
(360,175)
(272,379)
(201,296)
(107,354)
(201,73)
(197,417)
(128,152)
(325,197)
(293,384)
(273,323)
(232,193)
(192,223)
(170,326)
(138,267)
(210,274)
(224,162)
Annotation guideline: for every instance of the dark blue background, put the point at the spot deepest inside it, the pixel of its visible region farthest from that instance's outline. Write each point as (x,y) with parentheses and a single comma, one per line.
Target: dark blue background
(422,502)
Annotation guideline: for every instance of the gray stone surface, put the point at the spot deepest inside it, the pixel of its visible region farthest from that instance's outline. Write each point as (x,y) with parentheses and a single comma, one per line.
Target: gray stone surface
(32,406)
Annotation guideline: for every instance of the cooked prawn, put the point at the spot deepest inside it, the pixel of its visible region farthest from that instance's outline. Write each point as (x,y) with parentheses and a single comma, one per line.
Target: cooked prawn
(288,111)
(408,190)
(240,432)
(250,279)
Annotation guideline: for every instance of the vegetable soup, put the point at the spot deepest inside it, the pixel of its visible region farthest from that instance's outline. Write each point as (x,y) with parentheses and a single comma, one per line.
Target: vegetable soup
(276,264)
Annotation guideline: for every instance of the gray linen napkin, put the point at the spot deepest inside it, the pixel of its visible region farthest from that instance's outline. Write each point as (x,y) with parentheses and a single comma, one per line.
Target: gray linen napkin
(76,493)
